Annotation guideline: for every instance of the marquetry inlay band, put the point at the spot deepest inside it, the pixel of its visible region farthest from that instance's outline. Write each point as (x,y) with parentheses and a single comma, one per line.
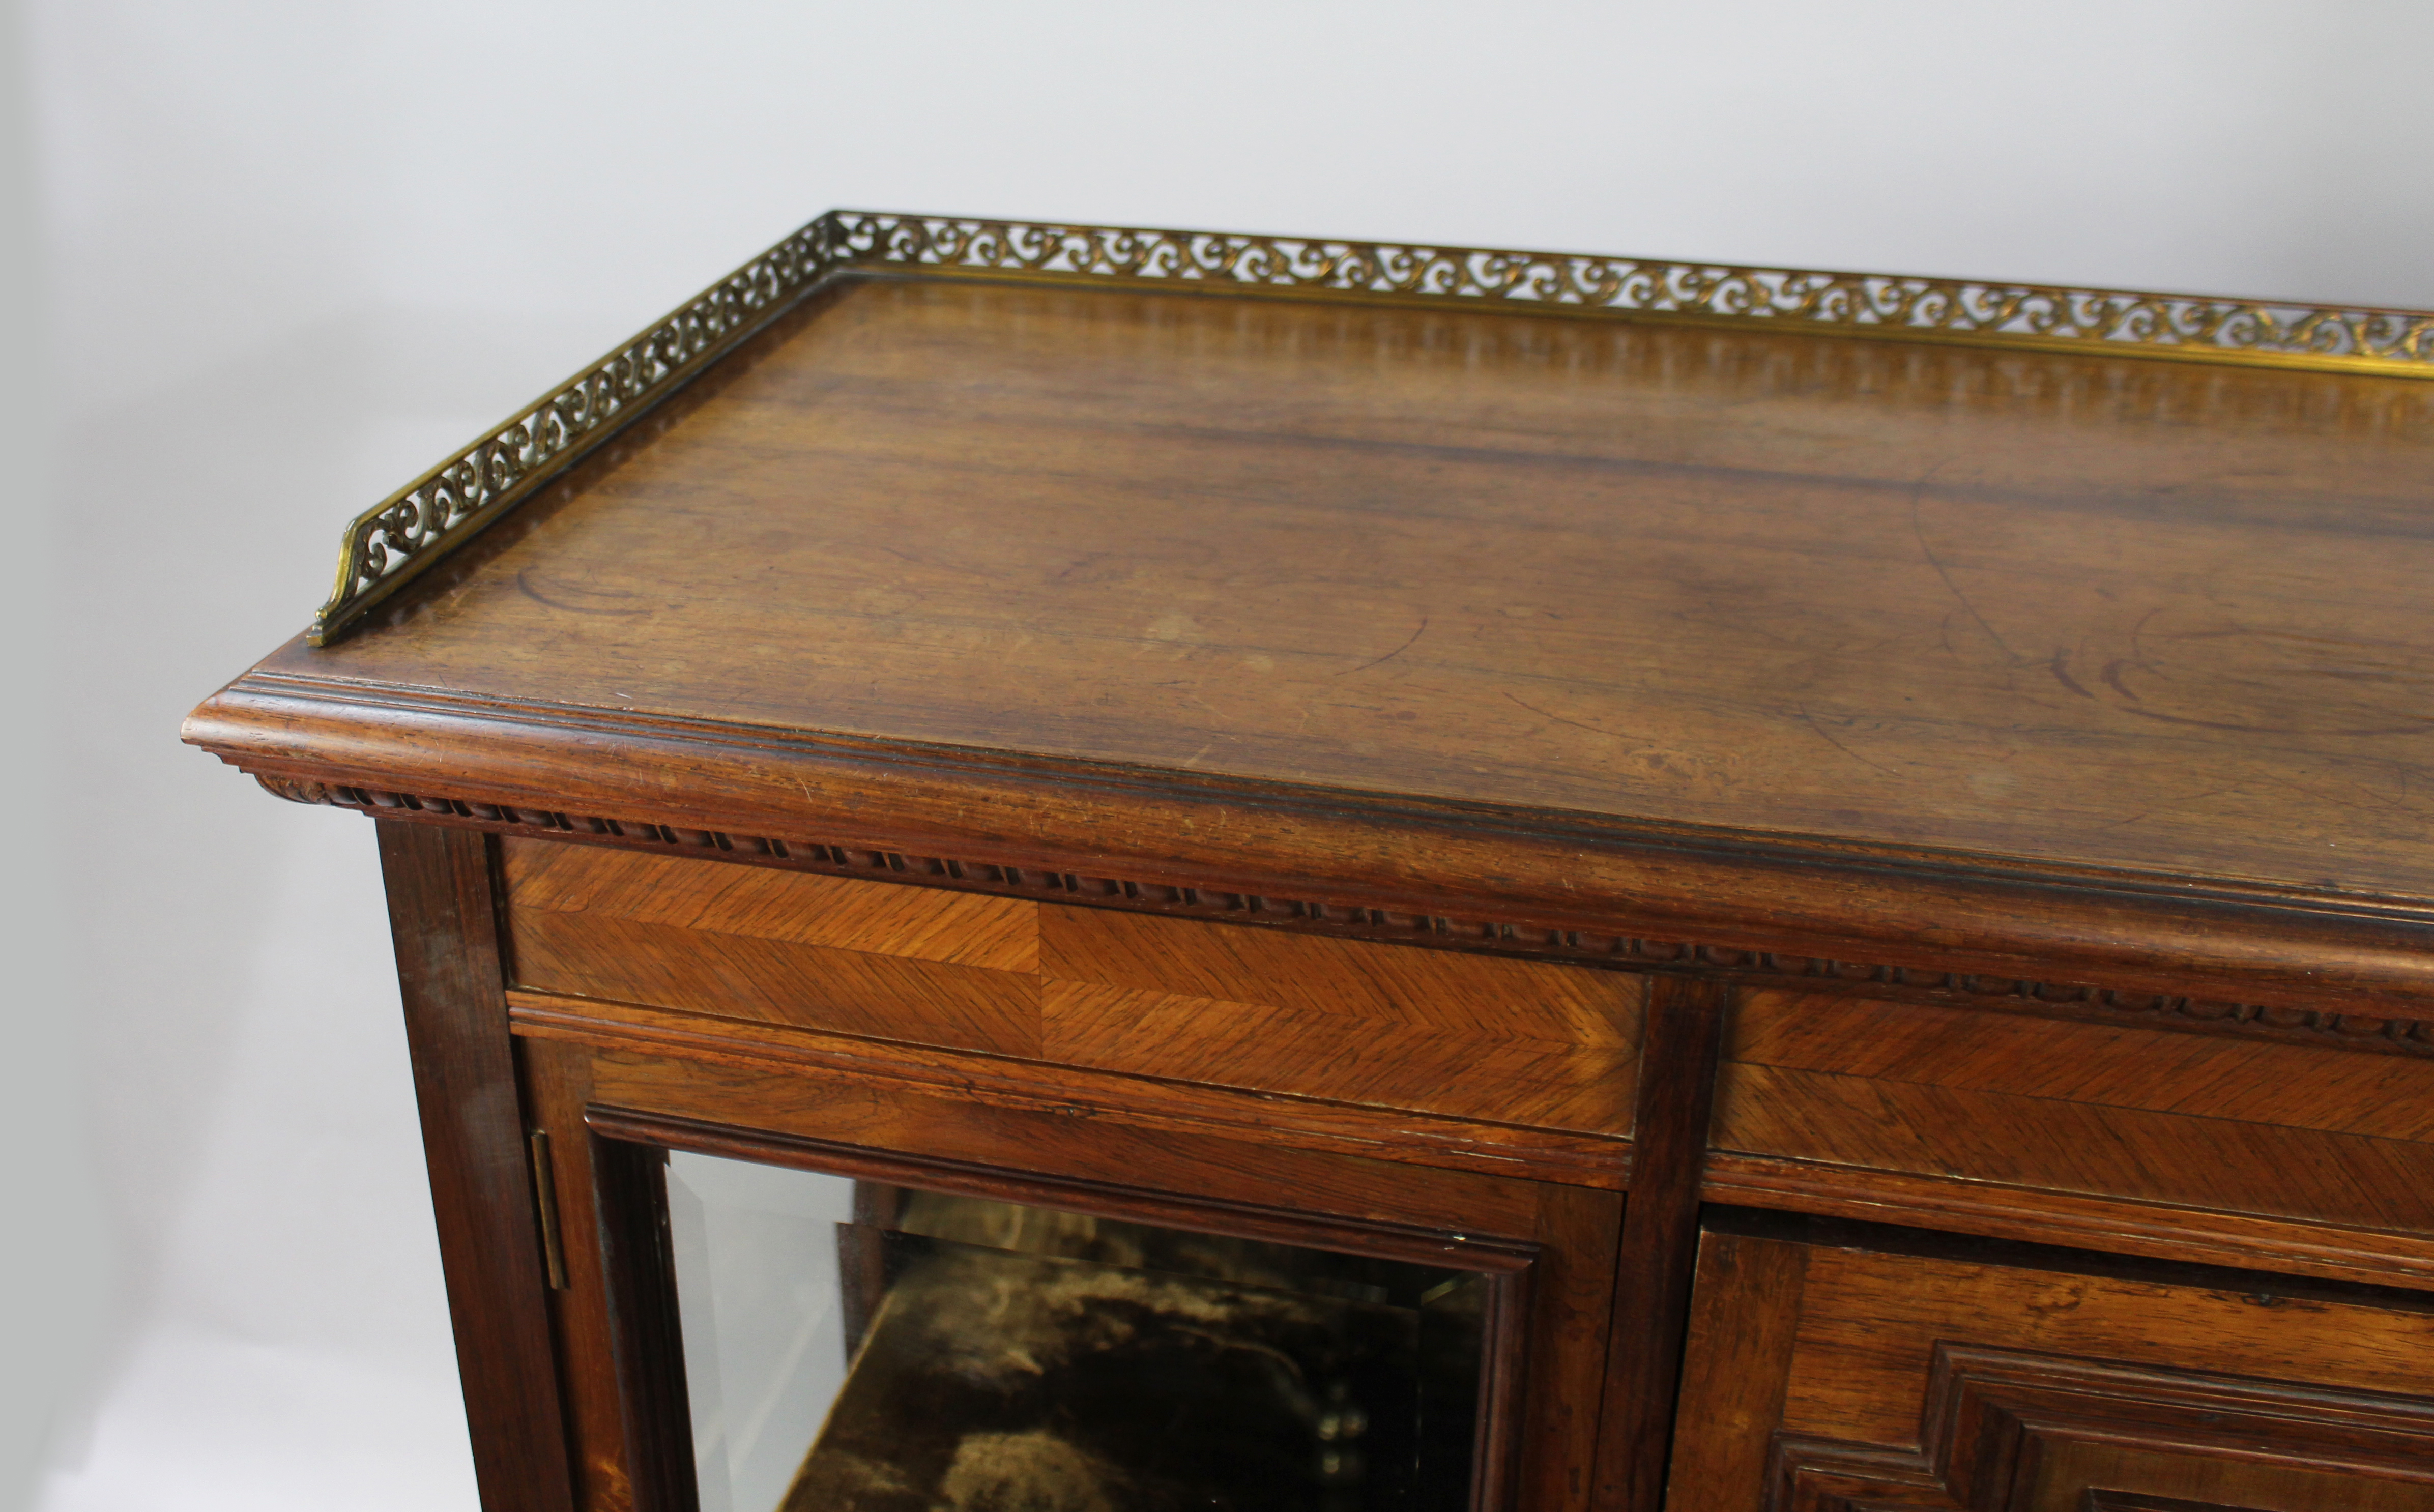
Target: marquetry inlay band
(2077,1000)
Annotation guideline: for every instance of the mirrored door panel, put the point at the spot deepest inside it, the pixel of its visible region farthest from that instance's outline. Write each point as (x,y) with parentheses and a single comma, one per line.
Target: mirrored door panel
(856,1347)
(761,1301)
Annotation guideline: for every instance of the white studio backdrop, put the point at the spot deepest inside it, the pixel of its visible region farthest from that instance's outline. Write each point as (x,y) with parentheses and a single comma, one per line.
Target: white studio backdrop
(293,252)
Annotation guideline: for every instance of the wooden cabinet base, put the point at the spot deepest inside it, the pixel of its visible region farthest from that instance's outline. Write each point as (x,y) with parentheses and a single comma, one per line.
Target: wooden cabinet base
(1839,1365)
(1348,757)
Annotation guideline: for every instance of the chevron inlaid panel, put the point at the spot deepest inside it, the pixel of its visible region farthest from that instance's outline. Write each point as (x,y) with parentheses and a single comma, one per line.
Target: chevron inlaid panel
(2033,1102)
(1521,1042)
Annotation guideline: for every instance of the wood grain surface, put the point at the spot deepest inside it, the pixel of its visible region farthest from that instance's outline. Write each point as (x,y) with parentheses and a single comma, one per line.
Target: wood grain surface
(1516,1043)
(2094,687)
(1835,1374)
(1780,583)
(556,1086)
(855,1066)
(1735,1366)
(2162,1230)
(443,915)
(1660,1239)
(2147,1115)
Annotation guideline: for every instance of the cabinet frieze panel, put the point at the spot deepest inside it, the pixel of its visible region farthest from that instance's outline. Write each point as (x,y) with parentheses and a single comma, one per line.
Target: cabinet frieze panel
(2371,1032)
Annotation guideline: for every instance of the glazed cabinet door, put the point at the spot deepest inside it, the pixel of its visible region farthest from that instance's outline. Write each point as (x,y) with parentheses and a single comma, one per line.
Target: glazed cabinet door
(877,1197)
(811,1293)
(1843,1366)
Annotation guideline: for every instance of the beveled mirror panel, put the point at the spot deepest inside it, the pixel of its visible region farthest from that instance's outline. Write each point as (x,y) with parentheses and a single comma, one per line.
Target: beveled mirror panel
(857,1347)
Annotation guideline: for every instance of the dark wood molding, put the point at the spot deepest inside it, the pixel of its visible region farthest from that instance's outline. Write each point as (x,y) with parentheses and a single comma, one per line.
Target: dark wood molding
(638,1268)
(1487,1253)
(2260,1287)
(2313,1026)
(441,911)
(1738,1352)
(2254,947)
(1686,1022)
(2033,1215)
(1993,1418)
(558,1085)
(1828,1475)
(1120,1097)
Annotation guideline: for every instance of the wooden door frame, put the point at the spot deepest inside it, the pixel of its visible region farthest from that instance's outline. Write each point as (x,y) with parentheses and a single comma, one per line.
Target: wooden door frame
(628,1152)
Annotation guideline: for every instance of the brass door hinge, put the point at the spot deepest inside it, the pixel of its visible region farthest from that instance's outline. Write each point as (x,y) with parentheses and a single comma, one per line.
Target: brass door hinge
(553,1255)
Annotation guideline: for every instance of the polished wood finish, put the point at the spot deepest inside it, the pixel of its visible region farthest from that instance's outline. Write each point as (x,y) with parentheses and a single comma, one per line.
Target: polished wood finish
(547,882)
(2349,1021)
(2163,1231)
(1808,640)
(1735,1365)
(1887,886)
(1841,1371)
(2106,1111)
(1462,1036)
(639,1300)
(558,1088)
(1072,1146)
(1140,1102)
(1080,523)
(2178,1145)
(441,911)
(1652,1306)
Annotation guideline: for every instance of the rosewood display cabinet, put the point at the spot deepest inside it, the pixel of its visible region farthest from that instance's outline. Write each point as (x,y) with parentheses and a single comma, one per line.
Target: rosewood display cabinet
(1087,870)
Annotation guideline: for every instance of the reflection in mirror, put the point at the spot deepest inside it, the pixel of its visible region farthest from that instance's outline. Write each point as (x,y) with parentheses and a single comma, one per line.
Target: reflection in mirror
(851,1347)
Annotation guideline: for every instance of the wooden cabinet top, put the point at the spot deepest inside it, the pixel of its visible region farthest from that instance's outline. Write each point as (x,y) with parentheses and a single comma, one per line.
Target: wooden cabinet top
(1789,632)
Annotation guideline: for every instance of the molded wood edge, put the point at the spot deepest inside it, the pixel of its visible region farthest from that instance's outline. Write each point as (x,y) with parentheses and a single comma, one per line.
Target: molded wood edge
(1549,871)
(1424,1139)
(2120,1226)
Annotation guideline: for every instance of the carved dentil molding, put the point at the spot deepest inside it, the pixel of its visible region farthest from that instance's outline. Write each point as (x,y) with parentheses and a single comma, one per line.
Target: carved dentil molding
(2072,999)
